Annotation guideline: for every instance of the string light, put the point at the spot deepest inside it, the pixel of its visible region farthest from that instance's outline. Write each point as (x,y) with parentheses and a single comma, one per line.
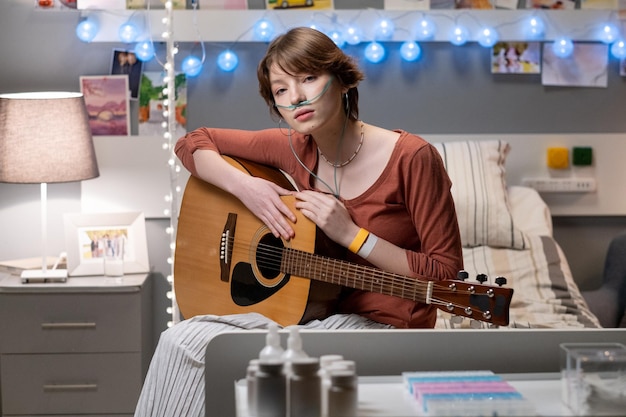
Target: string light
(144,51)
(384,29)
(609,33)
(458,35)
(227,60)
(563,47)
(264,30)
(128,32)
(618,49)
(87,29)
(534,28)
(425,29)
(192,66)
(410,51)
(487,37)
(374,52)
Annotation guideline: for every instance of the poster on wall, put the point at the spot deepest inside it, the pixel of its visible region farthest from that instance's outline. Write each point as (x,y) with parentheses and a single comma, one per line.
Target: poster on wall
(407,4)
(151,100)
(126,63)
(107,102)
(586,67)
(223,4)
(155,4)
(516,58)
(102,4)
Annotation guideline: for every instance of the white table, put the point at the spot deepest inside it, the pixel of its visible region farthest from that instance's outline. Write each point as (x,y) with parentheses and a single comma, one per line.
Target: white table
(386,396)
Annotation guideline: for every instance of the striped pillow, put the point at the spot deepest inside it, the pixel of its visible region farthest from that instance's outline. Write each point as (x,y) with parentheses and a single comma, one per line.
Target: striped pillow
(477,172)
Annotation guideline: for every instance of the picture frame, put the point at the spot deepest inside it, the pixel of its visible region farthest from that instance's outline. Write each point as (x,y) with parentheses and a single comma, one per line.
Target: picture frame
(89,237)
(108,104)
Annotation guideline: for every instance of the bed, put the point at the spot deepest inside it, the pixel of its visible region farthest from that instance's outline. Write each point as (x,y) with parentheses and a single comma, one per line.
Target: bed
(506,232)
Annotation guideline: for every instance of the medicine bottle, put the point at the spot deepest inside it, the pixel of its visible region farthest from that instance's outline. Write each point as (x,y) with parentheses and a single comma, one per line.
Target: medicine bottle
(342,394)
(270,394)
(251,371)
(304,388)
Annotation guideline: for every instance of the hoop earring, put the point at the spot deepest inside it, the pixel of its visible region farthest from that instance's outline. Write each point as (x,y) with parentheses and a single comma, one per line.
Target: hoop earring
(347,104)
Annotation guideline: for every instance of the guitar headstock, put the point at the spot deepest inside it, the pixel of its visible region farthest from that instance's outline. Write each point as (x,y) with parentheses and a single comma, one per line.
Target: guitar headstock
(474,300)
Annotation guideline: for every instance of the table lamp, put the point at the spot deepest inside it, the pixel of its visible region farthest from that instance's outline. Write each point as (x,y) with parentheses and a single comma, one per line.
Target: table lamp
(45,138)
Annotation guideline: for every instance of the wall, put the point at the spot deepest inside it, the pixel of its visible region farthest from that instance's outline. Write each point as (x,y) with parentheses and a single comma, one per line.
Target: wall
(449,91)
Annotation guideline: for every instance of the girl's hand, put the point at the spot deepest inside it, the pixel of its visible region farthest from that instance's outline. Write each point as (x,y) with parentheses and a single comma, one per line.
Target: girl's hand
(329,214)
(262,198)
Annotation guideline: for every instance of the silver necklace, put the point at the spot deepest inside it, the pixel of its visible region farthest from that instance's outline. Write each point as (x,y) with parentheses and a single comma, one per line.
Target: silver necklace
(343,164)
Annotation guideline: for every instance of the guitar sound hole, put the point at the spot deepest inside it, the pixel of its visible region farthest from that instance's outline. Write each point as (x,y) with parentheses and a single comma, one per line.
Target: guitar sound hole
(268,256)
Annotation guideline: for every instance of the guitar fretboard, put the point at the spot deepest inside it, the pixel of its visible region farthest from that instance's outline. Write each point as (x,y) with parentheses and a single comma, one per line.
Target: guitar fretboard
(353,275)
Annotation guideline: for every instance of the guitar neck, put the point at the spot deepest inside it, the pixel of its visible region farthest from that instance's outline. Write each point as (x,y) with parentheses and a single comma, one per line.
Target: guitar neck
(353,275)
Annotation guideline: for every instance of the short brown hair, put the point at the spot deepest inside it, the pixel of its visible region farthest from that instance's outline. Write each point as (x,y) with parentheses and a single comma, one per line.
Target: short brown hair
(307,50)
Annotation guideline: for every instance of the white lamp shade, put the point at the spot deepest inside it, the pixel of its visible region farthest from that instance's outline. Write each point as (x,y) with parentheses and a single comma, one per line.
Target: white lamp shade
(45,138)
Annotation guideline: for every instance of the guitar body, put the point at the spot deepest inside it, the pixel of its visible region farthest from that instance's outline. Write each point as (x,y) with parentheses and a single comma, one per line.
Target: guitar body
(204,284)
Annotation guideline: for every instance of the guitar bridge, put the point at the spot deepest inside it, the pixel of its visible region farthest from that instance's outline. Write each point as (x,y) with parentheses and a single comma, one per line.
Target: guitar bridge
(226,246)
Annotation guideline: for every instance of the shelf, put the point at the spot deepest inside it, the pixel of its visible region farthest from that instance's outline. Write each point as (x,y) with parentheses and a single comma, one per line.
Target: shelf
(237,25)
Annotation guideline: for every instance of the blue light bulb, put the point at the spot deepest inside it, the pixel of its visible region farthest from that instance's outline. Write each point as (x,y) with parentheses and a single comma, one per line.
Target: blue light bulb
(144,51)
(374,52)
(410,51)
(609,33)
(338,38)
(87,29)
(227,61)
(353,35)
(385,29)
(264,30)
(458,36)
(534,28)
(192,66)
(487,37)
(128,32)
(563,47)
(425,29)
(618,49)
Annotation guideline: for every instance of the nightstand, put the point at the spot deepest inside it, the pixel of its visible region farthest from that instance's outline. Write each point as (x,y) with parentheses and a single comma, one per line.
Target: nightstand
(80,347)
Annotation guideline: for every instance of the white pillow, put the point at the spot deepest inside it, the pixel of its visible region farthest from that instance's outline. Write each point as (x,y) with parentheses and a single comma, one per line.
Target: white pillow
(477,172)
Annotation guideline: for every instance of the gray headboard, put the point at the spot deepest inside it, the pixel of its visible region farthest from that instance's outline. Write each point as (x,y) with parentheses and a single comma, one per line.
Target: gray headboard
(390,352)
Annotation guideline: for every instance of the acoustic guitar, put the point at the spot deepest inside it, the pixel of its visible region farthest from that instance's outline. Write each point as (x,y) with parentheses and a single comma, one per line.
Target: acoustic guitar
(228,262)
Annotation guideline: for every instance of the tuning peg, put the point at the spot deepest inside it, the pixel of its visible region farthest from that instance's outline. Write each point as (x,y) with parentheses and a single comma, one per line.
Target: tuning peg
(462,275)
(500,281)
(481,278)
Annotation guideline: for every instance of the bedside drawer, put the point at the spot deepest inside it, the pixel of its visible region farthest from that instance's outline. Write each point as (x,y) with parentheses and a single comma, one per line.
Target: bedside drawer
(70,322)
(71,383)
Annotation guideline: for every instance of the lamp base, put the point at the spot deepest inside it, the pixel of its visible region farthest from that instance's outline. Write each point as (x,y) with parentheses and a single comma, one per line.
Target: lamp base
(39,276)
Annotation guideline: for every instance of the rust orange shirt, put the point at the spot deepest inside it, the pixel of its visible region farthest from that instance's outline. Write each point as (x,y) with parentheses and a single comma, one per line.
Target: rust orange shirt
(409,205)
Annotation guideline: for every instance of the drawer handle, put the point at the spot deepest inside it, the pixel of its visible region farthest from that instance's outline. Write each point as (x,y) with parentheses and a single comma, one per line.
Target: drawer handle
(58,326)
(70,387)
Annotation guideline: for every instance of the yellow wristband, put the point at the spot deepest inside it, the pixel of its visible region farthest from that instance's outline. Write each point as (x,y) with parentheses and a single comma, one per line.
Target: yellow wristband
(358,240)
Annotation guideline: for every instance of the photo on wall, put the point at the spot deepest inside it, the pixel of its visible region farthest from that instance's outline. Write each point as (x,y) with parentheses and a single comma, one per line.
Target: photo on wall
(107,102)
(151,100)
(586,67)
(516,58)
(126,63)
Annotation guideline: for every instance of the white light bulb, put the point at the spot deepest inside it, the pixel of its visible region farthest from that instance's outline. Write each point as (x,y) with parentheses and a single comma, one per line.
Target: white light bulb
(353,35)
(410,51)
(487,37)
(128,32)
(264,30)
(534,28)
(563,47)
(425,29)
(385,29)
(374,52)
(618,49)
(458,36)
(87,29)
(227,60)
(609,33)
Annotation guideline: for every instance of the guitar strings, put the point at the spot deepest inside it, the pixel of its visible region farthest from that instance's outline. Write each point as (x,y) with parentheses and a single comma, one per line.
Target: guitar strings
(371,279)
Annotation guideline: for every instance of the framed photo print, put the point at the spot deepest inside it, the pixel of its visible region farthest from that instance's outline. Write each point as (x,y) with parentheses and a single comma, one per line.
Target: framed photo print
(90,238)
(108,106)
(126,63)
